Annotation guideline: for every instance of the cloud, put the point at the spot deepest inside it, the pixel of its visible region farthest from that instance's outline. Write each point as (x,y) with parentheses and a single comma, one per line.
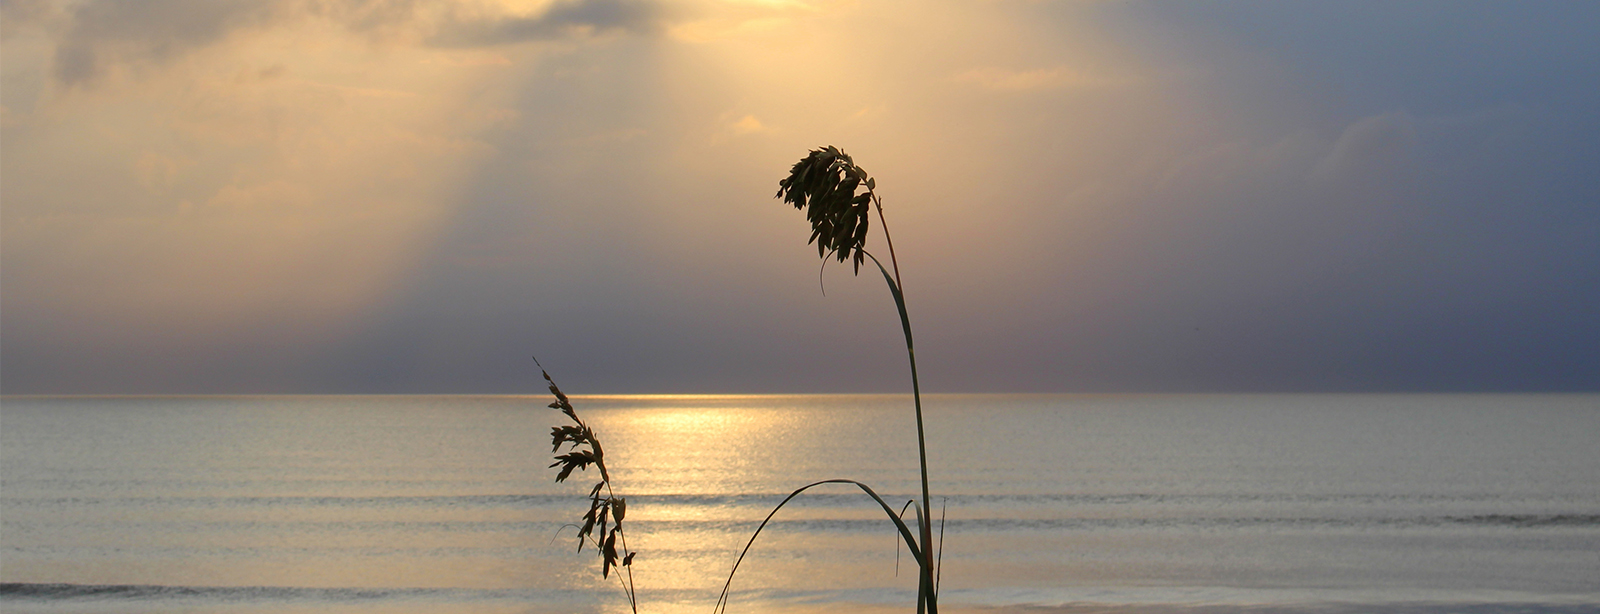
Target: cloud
(15,14)
(1376,146)
(705,22)
(1056,78)
(560,20)
(102,34)
(157,172)
(749,125)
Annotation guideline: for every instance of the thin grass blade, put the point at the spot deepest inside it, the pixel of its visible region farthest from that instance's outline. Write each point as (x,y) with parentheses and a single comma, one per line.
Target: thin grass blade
(905,532)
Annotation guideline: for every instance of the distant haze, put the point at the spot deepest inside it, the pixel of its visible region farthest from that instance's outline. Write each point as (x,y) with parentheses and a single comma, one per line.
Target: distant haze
(415,196)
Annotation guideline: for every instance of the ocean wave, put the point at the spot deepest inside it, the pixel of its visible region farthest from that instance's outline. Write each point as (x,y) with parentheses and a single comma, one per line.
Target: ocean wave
(54,591)
(865,523)
(761,500)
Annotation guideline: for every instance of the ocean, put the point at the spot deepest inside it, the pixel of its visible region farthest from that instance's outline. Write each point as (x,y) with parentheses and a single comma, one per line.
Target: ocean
(1137,504)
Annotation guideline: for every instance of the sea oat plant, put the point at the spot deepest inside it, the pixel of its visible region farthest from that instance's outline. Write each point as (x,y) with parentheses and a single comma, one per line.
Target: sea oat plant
(824,184)
(605,512)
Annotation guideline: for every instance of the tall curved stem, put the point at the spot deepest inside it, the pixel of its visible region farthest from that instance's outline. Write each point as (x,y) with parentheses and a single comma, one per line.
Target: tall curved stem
(926,584)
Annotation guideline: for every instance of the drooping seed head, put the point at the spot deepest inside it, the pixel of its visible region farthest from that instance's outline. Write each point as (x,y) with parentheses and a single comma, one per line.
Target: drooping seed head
(824,184)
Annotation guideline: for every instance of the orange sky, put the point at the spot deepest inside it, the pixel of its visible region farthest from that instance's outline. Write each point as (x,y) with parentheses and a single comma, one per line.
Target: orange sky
(413,196)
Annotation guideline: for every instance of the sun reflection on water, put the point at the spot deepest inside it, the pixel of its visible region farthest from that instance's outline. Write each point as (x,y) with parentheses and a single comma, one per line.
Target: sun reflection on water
(704,470)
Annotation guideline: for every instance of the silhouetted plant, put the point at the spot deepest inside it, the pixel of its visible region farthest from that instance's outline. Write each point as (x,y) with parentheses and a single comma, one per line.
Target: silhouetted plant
(605,512)
(824,185)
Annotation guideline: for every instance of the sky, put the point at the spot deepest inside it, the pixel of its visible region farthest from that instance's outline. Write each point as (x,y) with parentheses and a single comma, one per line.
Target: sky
(416,196)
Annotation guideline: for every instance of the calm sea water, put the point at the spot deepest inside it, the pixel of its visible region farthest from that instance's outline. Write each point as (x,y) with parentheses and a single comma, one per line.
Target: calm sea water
(1292,503)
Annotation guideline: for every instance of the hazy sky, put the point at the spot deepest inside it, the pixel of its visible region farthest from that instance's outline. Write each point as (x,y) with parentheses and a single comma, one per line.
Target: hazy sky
(250,196)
